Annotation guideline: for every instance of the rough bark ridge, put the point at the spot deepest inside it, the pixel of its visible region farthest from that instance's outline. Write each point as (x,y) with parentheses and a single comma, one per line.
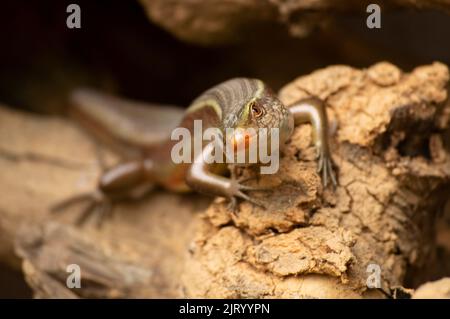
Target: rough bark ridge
(310,242)
(313,242)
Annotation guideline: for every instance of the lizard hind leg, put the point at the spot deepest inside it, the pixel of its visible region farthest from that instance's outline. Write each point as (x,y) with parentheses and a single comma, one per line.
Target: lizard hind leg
(94,202)
(125,181)
(65,203)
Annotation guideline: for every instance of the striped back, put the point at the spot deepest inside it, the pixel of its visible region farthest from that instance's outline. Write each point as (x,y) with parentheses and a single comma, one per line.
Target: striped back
(229,98)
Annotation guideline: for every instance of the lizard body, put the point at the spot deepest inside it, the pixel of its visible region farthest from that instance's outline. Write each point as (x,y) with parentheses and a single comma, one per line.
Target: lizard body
(237,103)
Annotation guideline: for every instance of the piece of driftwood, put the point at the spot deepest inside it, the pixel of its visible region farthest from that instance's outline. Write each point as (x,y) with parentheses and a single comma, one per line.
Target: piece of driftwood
(216,22)
(46,159)
(310,242)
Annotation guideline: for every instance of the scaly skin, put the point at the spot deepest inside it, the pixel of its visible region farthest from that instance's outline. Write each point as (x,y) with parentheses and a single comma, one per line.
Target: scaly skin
(239,103)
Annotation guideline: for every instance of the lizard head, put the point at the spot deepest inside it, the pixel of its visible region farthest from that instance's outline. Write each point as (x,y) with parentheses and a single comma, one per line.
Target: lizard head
(262,117)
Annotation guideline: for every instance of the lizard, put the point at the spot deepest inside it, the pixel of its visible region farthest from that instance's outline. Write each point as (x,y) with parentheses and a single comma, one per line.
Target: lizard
(236,103)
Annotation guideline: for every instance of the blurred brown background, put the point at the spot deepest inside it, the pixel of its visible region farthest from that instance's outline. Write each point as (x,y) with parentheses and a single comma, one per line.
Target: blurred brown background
(119,49)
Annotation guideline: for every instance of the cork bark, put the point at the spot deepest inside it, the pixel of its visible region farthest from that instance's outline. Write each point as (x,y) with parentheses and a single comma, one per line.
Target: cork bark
(316,242)
(310,242)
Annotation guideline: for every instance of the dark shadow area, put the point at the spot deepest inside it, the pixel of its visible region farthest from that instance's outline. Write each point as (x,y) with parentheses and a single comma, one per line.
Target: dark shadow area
(12,284)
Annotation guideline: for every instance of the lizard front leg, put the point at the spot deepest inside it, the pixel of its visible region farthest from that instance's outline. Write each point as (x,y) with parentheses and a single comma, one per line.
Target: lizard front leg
(200,178)
(312,110)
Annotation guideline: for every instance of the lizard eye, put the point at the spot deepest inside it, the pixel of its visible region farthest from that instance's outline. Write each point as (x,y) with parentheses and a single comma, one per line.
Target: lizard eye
(257,110)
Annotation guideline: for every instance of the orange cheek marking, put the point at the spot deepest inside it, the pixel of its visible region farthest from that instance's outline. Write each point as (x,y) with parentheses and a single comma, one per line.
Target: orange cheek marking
(241,138)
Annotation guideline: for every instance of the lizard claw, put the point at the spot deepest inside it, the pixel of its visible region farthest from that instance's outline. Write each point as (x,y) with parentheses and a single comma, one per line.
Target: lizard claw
(232,205)
(325,167)
(241,181)
(237,191)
